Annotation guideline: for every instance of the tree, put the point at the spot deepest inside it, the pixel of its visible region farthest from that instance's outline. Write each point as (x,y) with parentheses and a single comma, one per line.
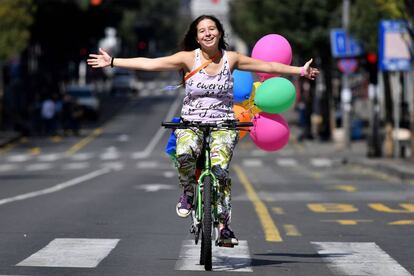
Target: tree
(16,16)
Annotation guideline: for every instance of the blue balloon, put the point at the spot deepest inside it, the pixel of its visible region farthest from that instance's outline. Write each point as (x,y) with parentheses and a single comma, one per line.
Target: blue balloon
(243,83)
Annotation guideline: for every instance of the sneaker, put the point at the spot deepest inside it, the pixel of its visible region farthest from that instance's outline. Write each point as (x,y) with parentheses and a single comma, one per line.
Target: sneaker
(227,238)
(184,206)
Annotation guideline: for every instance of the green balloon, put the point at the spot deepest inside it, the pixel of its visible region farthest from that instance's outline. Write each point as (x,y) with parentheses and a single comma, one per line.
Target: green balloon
(275,95)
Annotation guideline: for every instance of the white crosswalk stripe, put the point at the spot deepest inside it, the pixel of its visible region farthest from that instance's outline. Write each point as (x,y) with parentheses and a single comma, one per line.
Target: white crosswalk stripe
(81,253)
(359,258)
(342,258)
(235,259)
(49,157)
(252,162)
(39,167)
(286,162)
(19,158)
(321,162)
(82,156)
(112,154)
(8,167)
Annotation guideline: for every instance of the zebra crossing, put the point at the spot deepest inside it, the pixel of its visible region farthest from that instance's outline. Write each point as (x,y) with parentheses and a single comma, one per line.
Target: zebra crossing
(112,157)
(342,258)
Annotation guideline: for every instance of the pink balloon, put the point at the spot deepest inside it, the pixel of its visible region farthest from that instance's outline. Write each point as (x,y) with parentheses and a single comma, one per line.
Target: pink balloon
(272,47)
(270,132)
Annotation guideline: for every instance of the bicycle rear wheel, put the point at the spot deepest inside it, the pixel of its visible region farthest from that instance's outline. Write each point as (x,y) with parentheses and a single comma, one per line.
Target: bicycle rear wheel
(207,224)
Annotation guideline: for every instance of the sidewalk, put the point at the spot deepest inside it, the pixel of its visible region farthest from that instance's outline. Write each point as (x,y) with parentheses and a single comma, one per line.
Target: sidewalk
(8,136)
(402,168)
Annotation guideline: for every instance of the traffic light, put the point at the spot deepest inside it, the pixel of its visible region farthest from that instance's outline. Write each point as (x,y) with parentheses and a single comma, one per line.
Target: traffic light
(95,2)
(372,67)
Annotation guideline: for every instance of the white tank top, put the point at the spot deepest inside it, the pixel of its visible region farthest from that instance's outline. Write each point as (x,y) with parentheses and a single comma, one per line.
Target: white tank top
(209,98)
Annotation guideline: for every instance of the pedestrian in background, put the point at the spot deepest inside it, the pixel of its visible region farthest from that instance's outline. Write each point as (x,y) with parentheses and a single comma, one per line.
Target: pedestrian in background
(209,98)
(48,112)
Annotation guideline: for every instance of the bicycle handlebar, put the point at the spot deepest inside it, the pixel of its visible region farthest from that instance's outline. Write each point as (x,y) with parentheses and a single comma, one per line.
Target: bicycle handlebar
(225,124)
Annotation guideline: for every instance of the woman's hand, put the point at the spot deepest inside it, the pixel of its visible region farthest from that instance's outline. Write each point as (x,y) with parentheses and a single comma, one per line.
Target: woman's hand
(103,59)
(310,72)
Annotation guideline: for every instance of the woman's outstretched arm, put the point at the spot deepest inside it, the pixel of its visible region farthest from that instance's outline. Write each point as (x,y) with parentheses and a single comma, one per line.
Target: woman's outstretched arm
(168,63)
(246,63)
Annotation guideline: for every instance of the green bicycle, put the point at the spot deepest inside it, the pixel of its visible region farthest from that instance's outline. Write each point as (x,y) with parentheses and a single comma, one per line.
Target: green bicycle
(205,212)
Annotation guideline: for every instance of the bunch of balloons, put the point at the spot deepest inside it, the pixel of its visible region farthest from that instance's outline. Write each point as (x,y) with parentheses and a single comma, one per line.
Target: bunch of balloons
(262,102)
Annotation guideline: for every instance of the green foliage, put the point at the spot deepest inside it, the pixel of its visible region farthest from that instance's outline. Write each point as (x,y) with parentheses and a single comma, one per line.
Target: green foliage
(16,16)
(365,16)
(304,23)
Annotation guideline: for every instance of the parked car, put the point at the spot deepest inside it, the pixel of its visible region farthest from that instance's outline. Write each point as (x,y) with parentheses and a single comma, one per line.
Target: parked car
(124,82)
(87,99)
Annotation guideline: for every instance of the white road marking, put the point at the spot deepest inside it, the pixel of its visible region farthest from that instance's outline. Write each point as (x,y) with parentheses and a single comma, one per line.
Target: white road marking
(359,258)
(169,174)
(49,157)
(286,162)
(155,187)
(259,153)
(123,138)
(39,167)
(148,165)
(252,162)
(110,153)
(76,166)
(57,187)
(117,166)
(235,259)
(321,162)
(84,253)
(19,158)
(8,167)
(82,156)
(144,93)
(158,135)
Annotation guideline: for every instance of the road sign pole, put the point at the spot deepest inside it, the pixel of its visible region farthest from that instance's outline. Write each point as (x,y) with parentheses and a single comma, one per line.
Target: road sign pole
(346,94)
(396,92)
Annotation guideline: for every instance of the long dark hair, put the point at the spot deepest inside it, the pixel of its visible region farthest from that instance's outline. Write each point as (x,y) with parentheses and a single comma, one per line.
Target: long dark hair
(190,43)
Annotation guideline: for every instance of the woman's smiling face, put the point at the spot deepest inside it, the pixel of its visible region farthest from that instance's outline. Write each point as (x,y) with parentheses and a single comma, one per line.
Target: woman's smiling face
(208,35)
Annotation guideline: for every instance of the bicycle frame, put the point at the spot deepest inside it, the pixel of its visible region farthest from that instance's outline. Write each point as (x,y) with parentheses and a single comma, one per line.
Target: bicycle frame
(206,171)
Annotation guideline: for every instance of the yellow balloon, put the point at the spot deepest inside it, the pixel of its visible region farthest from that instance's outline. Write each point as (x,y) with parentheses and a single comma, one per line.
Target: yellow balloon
(249,103)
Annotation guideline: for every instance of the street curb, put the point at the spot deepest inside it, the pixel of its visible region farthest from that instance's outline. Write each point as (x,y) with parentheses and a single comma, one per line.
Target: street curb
(6,141)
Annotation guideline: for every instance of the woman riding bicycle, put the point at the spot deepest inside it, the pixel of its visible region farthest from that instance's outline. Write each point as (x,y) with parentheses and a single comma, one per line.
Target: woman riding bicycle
(208,98)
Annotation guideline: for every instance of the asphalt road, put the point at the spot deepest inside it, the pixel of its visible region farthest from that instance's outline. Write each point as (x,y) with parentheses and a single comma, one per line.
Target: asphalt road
(103,204)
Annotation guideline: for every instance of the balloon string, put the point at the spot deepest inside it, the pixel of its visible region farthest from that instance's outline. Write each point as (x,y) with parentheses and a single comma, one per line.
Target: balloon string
(249,110)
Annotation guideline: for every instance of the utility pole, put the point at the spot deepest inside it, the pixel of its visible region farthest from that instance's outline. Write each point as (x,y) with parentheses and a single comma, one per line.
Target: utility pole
(346,94)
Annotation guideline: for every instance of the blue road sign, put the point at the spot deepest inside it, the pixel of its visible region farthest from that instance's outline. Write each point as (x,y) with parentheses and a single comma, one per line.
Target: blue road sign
(394,46)
(343,46)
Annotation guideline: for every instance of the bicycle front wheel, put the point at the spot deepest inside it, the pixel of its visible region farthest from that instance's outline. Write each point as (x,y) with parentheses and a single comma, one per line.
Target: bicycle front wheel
(207,224)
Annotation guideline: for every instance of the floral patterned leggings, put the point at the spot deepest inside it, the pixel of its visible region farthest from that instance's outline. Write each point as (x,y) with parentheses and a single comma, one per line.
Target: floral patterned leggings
(189,147)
